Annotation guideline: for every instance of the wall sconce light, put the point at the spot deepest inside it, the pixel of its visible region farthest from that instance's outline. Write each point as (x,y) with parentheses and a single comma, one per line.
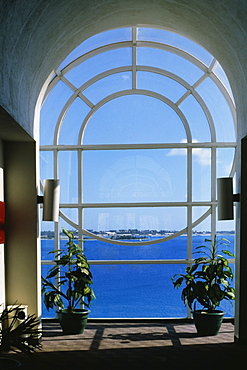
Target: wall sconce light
(50,200)
(225,198)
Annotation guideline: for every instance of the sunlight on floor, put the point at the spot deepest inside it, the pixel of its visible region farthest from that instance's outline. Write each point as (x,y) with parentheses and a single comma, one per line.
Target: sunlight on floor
(131,335)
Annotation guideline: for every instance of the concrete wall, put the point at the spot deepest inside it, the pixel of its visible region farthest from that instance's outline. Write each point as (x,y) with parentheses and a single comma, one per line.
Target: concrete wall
(2,263)
(21,246)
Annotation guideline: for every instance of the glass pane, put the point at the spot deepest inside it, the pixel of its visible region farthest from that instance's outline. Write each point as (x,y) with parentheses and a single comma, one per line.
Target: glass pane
(108,85)
(52,312)
(134,119)
(160,84)
(169,62)
(174,39)
(136,291)
(134,176)
(46,165)
(71,214)
(47,227)
(50,111)
(225,157)
(123,221)
(67,226)
(197,120)
(201,174)
(171,249)
(101,39)
(201,231)
(72,122)
(218,70)
(198,212)
(219,110)
(68,175)
(228,306)
(226,227)
(98,64)
(47,245)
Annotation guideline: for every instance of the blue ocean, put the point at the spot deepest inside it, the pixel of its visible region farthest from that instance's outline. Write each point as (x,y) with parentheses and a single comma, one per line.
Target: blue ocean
(136,290)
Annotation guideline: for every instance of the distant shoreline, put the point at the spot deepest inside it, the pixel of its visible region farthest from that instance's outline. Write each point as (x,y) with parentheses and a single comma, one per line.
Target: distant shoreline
(117,235)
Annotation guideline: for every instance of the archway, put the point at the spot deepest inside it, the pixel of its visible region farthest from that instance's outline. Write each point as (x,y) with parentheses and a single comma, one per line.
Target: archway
(130,127)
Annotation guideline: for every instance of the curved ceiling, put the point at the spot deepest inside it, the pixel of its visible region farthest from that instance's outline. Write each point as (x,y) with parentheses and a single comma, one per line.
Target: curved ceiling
(36,36)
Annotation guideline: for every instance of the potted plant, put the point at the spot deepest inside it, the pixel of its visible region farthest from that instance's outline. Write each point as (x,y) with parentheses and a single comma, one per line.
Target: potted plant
(17,333)
(207,282)
(72,286)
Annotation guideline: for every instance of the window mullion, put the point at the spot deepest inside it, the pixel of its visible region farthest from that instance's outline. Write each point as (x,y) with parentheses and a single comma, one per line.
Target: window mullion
(80,193)
(134,58)
(189,210)
(213,190)
(189,200)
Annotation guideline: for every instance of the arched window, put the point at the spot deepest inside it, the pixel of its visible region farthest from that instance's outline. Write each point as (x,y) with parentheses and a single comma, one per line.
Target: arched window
(137,123)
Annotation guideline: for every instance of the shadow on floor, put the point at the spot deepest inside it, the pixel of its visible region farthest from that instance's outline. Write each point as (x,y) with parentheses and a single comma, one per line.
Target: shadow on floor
(107,346)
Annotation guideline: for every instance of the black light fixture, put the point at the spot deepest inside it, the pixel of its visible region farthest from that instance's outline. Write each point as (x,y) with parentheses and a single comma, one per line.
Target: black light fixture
(50,200)
(225,198)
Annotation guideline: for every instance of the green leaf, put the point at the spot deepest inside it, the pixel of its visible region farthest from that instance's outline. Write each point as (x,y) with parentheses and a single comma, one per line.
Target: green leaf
(216,294)
(64,260)
(193,268)
(177,283)
(69,293)
(58,301)
(224,282)
(200,260)
(55,251)
(201,247)
(87,291)
(69,234)
(228,253)
(230,295)
(53,272)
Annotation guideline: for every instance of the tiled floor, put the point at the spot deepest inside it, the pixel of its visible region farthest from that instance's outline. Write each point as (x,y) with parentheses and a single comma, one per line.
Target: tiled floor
(116,345)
